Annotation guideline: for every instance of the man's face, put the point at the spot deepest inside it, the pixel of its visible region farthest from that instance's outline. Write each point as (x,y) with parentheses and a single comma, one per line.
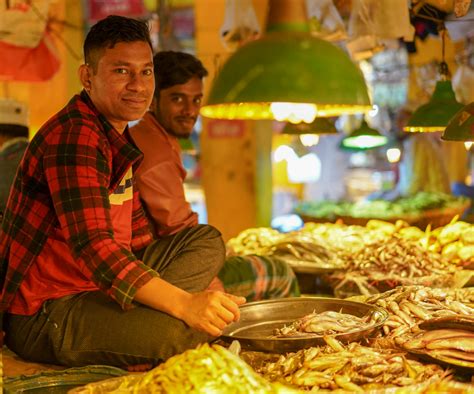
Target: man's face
(178,107)
(122,84)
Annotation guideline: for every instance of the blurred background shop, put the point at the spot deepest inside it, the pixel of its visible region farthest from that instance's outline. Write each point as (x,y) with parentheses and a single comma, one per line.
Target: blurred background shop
(252,172)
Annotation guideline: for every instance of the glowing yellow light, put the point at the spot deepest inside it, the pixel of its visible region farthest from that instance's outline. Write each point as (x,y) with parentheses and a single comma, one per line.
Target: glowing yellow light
(264,111)
(393,155)
(293,112)
(309,139)
(423,129)
(284,152)
(468,144)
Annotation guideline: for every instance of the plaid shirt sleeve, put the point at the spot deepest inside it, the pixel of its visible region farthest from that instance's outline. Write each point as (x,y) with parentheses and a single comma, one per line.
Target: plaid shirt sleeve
(77,166)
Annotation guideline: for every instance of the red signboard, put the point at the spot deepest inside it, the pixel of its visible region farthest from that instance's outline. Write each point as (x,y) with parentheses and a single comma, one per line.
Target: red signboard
(99,9)
(225,128)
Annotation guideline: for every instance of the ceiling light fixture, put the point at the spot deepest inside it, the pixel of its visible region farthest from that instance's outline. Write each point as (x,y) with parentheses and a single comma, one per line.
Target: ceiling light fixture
(362,138)
(287,75)
(318,126)
(461,125)
(435,115)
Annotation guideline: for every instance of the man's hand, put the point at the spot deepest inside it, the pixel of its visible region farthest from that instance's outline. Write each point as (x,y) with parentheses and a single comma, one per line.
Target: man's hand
(208,311)
(212,311)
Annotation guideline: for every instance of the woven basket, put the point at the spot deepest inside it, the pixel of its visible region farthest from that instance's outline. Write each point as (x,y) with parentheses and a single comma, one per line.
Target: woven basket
(440,217)
(435,217)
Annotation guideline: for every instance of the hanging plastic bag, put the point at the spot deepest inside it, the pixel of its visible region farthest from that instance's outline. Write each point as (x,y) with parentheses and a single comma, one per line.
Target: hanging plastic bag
(21,24)
(325,21)
(240,24)
(29,54)
(373,21)
(29,64)
(463,84)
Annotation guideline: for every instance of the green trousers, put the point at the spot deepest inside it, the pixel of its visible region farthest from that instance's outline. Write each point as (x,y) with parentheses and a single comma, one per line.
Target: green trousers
(90,328)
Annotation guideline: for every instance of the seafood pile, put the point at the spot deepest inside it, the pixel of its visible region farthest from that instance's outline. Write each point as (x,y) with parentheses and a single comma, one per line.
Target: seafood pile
(298,249)
(338,237)
(354,368)
(455,241)
(328,323)
(206,369)
(295,247)
(447,339)
(253,241)
(415,253)
(408,306)
(389,263)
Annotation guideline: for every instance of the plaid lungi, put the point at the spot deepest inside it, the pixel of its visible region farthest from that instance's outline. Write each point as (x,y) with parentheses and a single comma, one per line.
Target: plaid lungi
(258,277)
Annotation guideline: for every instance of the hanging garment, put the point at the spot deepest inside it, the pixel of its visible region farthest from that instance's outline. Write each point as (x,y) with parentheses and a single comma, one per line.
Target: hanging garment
(28,52)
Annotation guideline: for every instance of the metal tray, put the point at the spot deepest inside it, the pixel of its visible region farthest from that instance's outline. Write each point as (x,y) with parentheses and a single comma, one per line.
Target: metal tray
(259,319)
(441,361)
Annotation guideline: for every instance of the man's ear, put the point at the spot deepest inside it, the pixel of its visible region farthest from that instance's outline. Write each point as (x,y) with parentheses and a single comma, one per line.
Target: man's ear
(84,77)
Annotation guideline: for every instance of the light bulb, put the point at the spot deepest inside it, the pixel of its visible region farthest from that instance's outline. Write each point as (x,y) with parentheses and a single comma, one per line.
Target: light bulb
(284,152)
(393,155)
(294,112)
(309,139)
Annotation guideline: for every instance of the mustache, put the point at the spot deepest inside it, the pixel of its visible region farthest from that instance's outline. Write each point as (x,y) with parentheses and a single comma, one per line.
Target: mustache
(186,118)
(136,97)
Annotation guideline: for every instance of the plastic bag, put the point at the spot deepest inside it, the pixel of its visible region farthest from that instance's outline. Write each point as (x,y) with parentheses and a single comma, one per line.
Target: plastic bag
(240,24)
(372,21)
(29,64)
(21,25)
(325,21)
(463,84)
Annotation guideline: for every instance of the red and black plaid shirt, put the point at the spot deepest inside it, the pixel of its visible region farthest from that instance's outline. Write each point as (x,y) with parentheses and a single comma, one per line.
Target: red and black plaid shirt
(69,169)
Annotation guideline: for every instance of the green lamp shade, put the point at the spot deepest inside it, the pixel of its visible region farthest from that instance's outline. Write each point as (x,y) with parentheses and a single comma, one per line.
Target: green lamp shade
(318,126)
(287,67)
(435,115)
(363,138)
(461,126)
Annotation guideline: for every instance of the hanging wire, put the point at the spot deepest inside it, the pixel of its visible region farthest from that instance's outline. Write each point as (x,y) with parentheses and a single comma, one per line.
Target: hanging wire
(443,66)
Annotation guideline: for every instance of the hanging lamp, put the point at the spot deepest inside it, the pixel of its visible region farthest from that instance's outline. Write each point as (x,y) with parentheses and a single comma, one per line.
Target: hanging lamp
(461,125)
(287,75)
(320,126)
(309,133)
(362,138)
(435,115)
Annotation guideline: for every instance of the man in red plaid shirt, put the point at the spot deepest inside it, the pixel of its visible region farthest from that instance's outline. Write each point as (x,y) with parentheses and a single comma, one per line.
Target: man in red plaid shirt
(83,282)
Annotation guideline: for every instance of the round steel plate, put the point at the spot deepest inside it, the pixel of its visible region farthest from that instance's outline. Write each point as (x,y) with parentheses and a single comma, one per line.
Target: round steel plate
(258,320)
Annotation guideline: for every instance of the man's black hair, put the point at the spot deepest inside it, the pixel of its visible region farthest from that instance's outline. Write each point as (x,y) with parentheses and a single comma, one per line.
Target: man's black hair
(112,30)
(175,68)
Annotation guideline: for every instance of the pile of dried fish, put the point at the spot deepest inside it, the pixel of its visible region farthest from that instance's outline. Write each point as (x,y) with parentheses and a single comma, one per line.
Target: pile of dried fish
(452,346)
(389,263)
(206,369)
(253,241)
(295,248)
(447,339)
(339,237)
(409,306)
(298,249)
(327,323)
(354,367)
